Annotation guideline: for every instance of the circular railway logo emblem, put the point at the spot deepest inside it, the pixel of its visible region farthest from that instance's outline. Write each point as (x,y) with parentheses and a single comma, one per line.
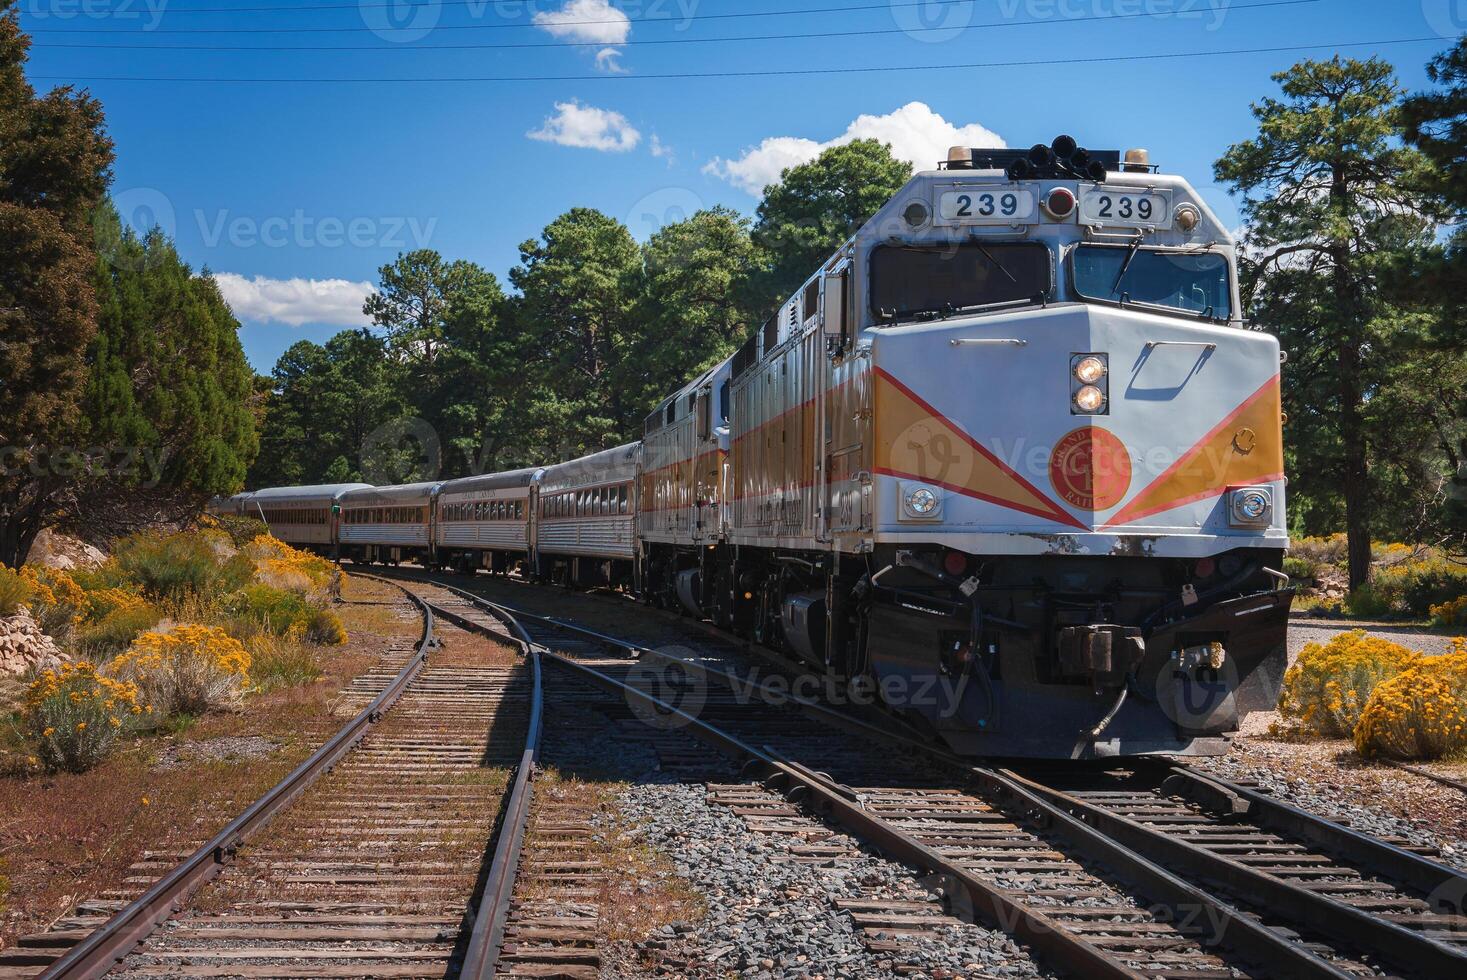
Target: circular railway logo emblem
(1090,469)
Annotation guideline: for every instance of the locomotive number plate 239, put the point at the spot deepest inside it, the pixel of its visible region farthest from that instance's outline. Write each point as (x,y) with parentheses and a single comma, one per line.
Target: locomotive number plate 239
(1129,210)
(987,206)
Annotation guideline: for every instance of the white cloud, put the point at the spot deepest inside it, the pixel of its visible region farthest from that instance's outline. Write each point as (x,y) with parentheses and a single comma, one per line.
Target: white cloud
(332,302)
(661,150)
(915,132)
(588,127)
(590,22)
(609,60)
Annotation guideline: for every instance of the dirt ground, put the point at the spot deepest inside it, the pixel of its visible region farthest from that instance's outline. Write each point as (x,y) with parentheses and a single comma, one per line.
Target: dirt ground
(65,837)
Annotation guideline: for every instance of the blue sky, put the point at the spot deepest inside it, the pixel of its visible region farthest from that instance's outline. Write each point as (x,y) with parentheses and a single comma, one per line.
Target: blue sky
(295,192)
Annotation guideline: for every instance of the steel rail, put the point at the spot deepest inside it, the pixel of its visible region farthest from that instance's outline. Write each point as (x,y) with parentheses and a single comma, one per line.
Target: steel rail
(481,956)
(111,942)
(1343,923)
(1071,952)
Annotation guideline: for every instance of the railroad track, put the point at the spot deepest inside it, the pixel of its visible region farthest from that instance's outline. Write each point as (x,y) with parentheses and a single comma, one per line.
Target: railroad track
(366,860)
(1141,872)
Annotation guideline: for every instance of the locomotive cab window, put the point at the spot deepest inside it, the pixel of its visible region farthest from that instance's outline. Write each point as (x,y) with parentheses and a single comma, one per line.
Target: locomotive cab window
(916,281)
(1195,282)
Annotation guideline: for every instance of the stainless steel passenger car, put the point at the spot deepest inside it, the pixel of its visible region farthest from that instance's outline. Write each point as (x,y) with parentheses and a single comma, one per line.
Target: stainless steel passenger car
(305,517)
(484,521)
(585,531)
(388,524)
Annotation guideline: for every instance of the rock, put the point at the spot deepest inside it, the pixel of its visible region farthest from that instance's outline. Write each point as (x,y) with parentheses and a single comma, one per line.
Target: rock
(56,550)
(24,647)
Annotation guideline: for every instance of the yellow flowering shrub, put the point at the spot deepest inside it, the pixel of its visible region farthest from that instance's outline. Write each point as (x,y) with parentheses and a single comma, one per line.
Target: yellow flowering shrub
(74,714)
(280,566)
(1420,713)
(57,601)
(15,591)
(1451,613)
(1327,688)
(187,670)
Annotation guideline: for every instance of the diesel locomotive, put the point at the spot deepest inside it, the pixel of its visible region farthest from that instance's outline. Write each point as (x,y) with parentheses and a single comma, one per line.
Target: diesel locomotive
(1011,458)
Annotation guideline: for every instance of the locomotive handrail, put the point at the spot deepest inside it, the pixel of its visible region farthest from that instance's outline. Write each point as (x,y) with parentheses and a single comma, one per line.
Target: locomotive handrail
(976,341)
(1205,345)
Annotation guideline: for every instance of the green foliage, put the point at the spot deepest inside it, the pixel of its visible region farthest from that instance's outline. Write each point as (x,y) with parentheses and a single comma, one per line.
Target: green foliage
(14,591)
(1409,588)
(181,566)
(1300,568)
(55,161)
(1334,203)
(241,530)
(274,610)
(74,714)
(813,209)
(323,404)
(168,374)
(114,631)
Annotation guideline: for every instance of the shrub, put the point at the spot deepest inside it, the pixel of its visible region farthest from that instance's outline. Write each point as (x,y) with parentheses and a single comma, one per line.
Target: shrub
(174,567)
(186,671)
(1419,714)
(1333,550)
(241,530)
(73,715)
(1453,613)
(15,591)
(273,609)
(57,601)
(1327,688)
(282,663)
(1410,588)
(279,565)
(1300,568)
(115,631)
(324,627)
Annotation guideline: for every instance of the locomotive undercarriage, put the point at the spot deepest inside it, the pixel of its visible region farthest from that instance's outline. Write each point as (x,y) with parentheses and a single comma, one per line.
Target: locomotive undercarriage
(1054,656)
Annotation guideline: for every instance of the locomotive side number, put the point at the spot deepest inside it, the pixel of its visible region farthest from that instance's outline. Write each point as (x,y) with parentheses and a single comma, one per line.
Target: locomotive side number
(986,206)
(1101,207)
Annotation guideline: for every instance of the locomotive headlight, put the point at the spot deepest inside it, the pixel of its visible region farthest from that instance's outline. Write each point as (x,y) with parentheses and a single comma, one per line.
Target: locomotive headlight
(1251,506)
(1089,384)
(1090,370)
(1089,399)
(920,503)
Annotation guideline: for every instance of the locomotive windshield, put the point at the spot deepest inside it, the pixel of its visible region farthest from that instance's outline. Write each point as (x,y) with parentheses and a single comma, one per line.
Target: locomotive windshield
(912,281)
(1197,282)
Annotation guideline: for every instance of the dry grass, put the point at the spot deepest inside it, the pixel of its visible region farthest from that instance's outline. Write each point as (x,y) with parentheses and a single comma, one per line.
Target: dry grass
(67,837)
(642,891)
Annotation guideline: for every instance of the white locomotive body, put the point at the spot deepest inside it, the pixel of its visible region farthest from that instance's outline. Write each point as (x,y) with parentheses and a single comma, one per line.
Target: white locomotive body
(1011,459)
